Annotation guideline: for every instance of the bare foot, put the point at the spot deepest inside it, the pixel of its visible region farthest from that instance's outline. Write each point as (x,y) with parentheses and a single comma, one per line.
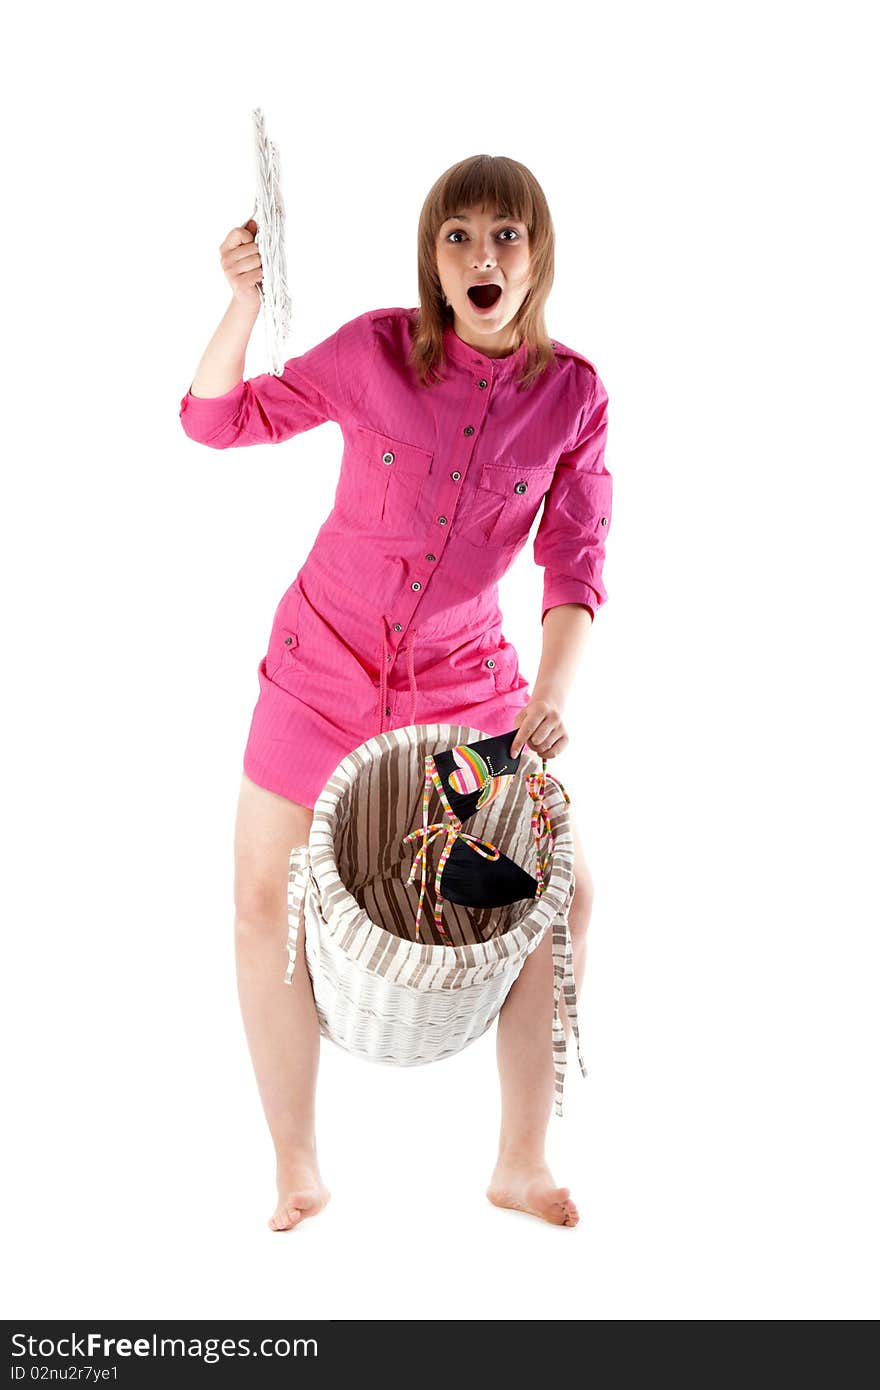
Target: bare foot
(528,1186)
(301,1193)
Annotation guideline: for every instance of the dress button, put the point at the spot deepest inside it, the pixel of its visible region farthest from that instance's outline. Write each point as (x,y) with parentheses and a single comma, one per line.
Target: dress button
(521,488)
(442,520)
(604,521)
(490,662)
(455,476)
(483,384)
(429,556)
(397,627)
(387,709)
(416,584)
(468,429)
(287,641)
(388,458)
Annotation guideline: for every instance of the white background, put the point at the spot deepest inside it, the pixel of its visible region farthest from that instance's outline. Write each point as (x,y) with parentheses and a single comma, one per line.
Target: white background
(710,176)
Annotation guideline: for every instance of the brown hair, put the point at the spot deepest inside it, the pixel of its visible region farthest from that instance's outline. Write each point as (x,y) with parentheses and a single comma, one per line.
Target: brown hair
(500,185)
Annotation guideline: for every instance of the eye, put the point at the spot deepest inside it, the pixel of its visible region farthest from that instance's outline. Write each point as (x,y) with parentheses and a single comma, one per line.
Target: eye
(458,232)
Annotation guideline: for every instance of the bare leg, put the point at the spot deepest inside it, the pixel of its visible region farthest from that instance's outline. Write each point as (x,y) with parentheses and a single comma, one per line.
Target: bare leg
(279,1019)
(522,1179)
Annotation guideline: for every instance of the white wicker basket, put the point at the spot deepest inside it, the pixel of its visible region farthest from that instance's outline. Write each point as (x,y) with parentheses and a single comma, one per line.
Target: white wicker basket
(379,993)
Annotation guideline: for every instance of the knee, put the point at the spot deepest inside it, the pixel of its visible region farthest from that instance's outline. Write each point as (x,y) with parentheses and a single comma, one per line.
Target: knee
(260,913)
(581,905)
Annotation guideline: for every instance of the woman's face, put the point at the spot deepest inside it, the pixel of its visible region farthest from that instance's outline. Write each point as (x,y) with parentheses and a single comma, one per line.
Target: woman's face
(477,247)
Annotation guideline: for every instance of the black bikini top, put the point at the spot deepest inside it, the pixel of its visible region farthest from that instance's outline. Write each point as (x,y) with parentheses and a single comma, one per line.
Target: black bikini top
(474,872)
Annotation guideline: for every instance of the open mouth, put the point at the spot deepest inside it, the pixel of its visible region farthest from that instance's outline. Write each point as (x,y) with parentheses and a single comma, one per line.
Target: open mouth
(484,296)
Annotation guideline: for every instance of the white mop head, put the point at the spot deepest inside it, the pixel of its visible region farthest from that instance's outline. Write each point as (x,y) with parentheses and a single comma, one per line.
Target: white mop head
(269,216)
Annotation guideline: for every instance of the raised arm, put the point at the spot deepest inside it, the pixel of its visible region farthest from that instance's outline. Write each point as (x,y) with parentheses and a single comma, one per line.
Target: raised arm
(216,386)
(223,411)
(321,384)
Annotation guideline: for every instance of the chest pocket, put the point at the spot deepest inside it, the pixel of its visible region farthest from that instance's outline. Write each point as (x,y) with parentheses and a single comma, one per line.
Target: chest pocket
(391,476)
(505,504)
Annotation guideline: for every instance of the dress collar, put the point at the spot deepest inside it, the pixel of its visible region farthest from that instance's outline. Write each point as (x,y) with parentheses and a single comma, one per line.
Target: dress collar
(457,350)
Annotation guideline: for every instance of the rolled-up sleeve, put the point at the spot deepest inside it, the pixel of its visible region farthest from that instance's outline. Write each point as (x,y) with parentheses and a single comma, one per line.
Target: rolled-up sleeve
(322,384)
(570,540)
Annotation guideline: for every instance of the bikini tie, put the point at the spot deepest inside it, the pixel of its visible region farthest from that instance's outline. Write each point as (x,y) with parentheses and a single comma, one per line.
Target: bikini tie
(541,825)
(454,832)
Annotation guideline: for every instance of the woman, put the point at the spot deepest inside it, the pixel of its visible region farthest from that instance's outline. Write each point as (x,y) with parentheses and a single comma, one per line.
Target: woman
(459,419)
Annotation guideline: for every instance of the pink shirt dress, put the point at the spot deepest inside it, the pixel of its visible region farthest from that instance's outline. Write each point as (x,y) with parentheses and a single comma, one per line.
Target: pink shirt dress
(393,618)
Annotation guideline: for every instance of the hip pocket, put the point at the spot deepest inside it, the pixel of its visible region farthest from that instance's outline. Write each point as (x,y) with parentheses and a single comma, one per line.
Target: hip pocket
(285,645)
(501,662)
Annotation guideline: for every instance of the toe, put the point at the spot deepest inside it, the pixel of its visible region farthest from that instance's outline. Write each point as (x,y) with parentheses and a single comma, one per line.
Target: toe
(296,1204)
(558,1206)
(302,1203)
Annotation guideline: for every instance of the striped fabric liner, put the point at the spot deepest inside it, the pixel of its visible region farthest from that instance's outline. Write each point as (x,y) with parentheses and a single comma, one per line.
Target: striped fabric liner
(378,992)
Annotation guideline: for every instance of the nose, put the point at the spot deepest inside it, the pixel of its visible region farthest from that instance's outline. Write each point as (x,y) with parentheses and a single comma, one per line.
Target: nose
(483,256)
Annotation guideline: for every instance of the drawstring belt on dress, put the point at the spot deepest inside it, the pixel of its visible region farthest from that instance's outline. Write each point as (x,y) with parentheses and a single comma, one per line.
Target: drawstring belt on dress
(383,674)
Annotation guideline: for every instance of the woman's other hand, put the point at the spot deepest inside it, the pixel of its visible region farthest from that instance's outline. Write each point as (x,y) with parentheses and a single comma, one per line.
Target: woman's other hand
(541,726)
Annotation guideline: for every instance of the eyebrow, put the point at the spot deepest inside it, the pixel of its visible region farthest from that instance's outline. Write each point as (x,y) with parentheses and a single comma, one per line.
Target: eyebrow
(462,217)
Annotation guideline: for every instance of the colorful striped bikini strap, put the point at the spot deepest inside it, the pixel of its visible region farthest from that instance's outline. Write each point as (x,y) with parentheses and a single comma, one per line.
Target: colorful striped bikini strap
(541,825)
(429,833)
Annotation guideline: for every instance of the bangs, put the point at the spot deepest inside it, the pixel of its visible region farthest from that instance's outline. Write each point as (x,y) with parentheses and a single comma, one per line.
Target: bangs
(493,185)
